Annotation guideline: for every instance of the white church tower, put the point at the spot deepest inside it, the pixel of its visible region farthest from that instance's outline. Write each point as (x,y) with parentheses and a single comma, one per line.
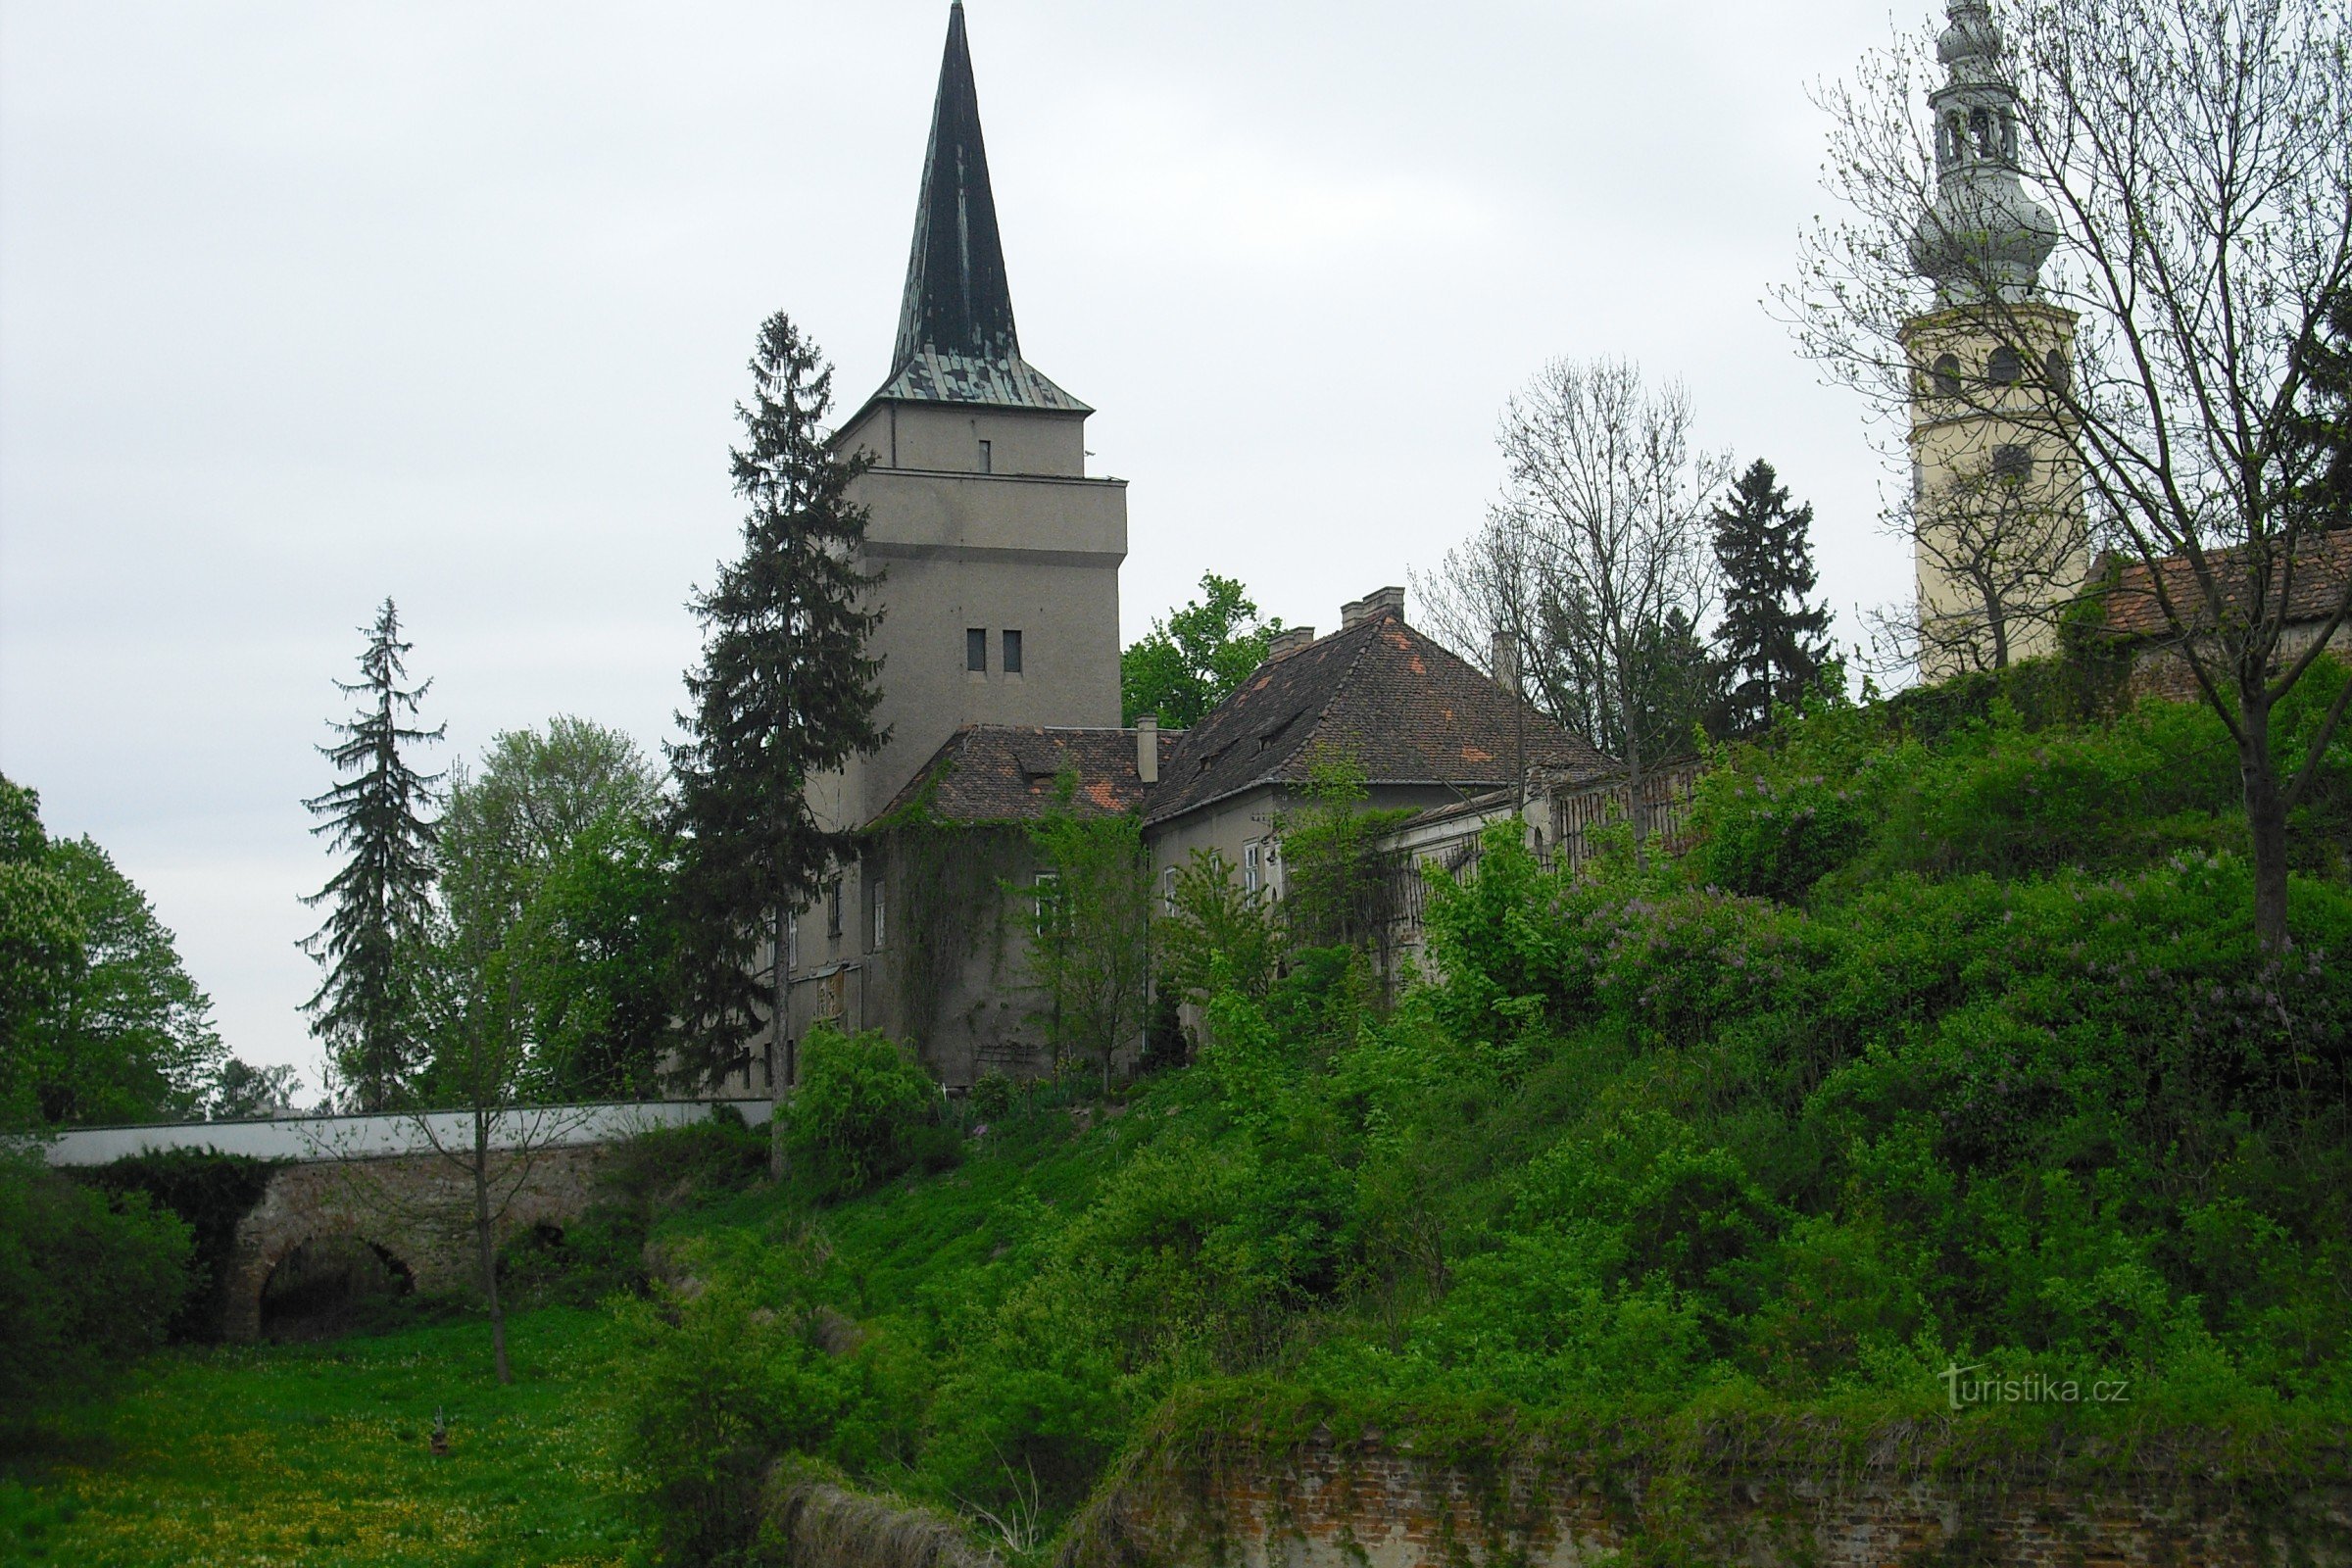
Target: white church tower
(1998,525)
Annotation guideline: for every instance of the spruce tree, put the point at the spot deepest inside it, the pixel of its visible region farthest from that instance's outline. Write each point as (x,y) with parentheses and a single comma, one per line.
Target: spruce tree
(1772,643)
(785,690)
(380,902)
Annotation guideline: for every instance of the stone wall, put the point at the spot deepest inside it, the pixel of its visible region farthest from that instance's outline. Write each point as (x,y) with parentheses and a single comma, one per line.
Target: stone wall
(1368,1505)
(417,1207)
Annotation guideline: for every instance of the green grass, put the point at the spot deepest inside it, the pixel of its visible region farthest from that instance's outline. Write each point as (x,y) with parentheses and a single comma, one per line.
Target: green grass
(319,1454)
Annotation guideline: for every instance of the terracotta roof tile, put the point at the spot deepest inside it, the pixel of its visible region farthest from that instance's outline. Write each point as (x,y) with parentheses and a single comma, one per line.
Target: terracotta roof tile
(1010,773)
(2324,563)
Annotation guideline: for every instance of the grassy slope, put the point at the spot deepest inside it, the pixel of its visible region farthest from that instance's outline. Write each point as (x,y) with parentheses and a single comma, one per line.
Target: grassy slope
(317,1454)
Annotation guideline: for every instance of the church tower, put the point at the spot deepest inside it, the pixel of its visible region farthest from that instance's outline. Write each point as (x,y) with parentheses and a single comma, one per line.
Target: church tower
(1998,521)
(1000,557)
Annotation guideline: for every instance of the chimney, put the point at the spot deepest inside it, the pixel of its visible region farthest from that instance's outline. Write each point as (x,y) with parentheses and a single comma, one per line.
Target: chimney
(1146,747)
(1288,641)
(1503,661)
(1374,606)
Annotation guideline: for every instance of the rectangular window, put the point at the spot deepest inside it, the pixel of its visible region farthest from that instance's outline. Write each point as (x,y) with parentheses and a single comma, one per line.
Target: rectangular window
(792,943)
(833,909)
(988,457)
(1167,891)
(1012,653)
(975,649)
(1251,866)
(881,904)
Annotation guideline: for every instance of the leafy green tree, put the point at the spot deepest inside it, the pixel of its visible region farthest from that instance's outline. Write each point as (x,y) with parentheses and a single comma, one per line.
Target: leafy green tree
(380,902)
(41,937)
(1338,888)
(131,1036)
(599,948)
(785,690)
(1218,935)
(533,796)
(1089,950)
(99,1020)
(1772,641)
(1195,658)
(551,861)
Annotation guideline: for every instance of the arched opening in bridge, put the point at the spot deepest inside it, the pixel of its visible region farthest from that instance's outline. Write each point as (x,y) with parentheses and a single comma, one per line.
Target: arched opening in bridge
(331,1284)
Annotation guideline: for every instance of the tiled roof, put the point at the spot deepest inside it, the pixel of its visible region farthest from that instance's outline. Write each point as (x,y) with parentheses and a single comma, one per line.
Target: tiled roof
(2324,563)
(1011,774)
(1407,709)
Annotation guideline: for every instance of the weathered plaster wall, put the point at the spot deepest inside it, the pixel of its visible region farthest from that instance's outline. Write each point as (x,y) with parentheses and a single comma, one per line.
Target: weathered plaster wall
(1369,1506)
(418,1207)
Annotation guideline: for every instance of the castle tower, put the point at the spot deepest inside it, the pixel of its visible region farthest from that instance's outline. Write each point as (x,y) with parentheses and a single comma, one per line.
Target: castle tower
(1999,526)
(1001,599)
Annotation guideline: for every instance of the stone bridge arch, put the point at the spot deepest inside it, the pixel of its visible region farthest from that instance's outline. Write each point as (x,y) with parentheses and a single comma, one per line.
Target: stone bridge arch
(417,1209)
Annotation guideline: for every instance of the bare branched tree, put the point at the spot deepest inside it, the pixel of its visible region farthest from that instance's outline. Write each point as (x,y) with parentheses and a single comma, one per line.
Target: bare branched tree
(1598,539)
(2138,211)
(1999,558)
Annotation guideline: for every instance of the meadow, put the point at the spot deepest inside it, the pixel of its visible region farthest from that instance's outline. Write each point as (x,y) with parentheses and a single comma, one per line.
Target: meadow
(319,1455)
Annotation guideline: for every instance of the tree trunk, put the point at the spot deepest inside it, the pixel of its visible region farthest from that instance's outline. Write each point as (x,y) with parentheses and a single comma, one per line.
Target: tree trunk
(2266,816)
(1633,775)
(482,1233)
(779,1051)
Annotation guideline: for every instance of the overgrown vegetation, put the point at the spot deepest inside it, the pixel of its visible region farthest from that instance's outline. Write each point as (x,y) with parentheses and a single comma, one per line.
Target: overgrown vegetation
(1953,1045)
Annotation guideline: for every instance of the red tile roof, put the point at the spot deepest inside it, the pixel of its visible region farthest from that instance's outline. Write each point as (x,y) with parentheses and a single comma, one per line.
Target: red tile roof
(2323,566)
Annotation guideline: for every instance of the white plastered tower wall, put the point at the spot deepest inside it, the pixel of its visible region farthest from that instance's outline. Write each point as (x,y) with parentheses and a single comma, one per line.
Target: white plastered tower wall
(1997,515)
(1994,485)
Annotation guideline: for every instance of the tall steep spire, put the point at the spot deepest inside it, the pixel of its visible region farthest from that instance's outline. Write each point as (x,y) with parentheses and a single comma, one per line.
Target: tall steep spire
(957,340)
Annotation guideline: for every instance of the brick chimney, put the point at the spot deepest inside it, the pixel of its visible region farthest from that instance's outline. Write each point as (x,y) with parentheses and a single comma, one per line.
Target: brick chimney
(1374,606)
(1146,747)
(1288,641)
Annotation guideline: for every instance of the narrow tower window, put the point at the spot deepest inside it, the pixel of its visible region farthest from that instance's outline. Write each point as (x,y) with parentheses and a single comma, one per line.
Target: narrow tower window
(881,905)
(2060,373)
(2004,367)
(1012,652)
(988,457)
(1947,375)
(975,649)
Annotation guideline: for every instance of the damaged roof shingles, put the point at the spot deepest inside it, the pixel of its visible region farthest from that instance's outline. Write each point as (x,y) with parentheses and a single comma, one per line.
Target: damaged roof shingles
(1405,707)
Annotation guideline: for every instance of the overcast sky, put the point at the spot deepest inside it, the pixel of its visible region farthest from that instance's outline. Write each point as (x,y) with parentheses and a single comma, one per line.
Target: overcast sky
(302,304)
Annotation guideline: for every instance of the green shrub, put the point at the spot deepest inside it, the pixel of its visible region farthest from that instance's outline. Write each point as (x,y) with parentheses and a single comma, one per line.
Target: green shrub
(724,1376)
(88,1281)
(213,1193)
(863,1111)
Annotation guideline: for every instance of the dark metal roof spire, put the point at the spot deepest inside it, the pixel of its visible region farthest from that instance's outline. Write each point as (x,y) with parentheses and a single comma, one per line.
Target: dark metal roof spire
(956,341)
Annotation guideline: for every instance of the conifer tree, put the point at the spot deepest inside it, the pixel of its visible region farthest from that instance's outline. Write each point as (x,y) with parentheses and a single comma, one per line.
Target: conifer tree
(785,690)
(1772,642)
(380,902)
